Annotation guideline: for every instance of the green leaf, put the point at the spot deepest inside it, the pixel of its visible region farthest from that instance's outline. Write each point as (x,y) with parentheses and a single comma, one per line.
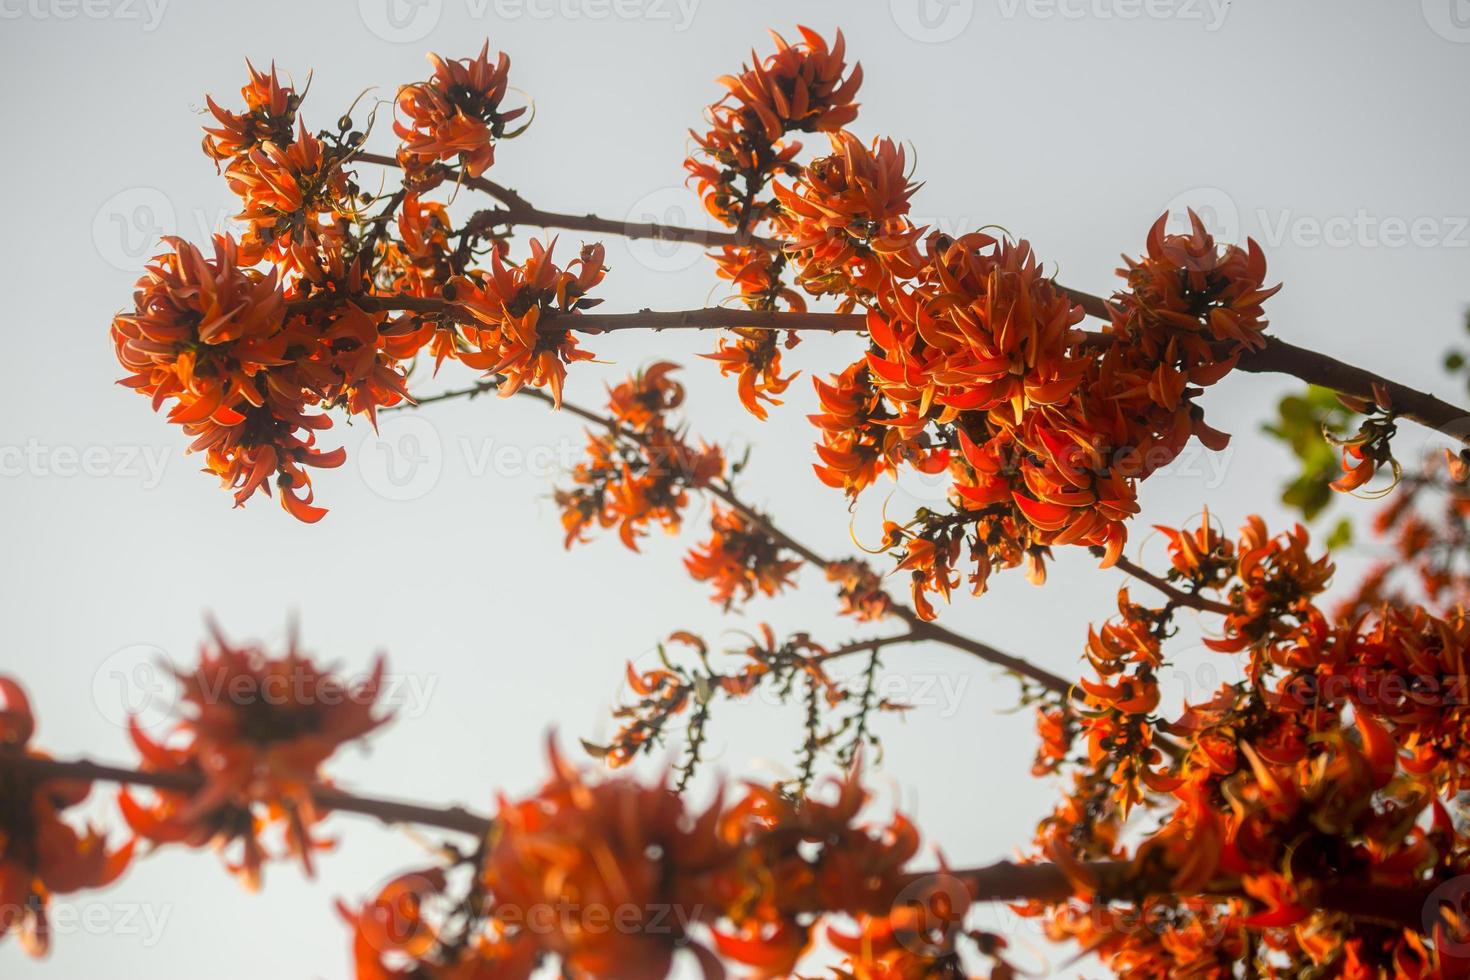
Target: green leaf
(1303,422)
(1342,534)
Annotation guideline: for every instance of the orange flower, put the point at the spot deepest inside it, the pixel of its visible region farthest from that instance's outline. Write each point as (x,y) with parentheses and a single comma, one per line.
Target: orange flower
(1186,285)
(602,877)
(755,358)
(520,307)
(929,560)
(640,473)
(800,88)
(394,928)
(641,401)
(633,489)
(615,849)
(215,338)
(456,113)
(755,271)
(916,940)
(40,853)
(976,364)
(983,328)
(844,212)
(860,590)
(258,732)
(269,117)
(862,439)
(286,188)
(739,557)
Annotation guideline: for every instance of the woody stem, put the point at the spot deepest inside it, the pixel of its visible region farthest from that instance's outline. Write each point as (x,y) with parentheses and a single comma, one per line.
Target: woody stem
(1276,357)
(326,797)
(1003,881)
(1176,595)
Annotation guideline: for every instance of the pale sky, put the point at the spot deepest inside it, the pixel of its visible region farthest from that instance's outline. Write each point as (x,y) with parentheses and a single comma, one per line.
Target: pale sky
(1333,133)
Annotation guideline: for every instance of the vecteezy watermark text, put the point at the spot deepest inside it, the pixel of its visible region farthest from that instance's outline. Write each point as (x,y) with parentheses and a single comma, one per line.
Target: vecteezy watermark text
(34,458)
(149,13)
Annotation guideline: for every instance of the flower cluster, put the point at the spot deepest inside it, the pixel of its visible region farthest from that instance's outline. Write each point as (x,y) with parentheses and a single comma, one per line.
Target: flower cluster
(292,184)
(978,365)
(860,590)
(740,559)
(212,337)
(616,877)
(251,359)
(753,356)
(269,118)
(286,190)
(799,88)
(1321,773)
(455,115)
(863,439)
(41,854)
(257,731)
(515,310)
(845,216)
(976,362)
(639,469)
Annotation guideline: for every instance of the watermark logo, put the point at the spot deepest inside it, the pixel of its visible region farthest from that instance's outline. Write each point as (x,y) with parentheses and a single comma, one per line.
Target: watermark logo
(403,459)
(139,922)
(1209,13)
(400,21)
(128,225)
(1363,229)
(932,21)
(540,461)
(1450,19)
(1449,905)
(148,13)
(39,460)
(1280,227)
(669,206)
(136,682)
(1216,209)
(932,908)
(677,13)
(406,21)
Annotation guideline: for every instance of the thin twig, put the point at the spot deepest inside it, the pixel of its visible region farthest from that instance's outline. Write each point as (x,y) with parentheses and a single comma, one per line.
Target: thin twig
(919,627)
(502,194)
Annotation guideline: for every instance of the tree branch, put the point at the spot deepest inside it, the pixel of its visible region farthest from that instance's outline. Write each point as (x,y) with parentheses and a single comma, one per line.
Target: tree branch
(1004,881)
(327,797)
(1176,595)
(1278,357)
